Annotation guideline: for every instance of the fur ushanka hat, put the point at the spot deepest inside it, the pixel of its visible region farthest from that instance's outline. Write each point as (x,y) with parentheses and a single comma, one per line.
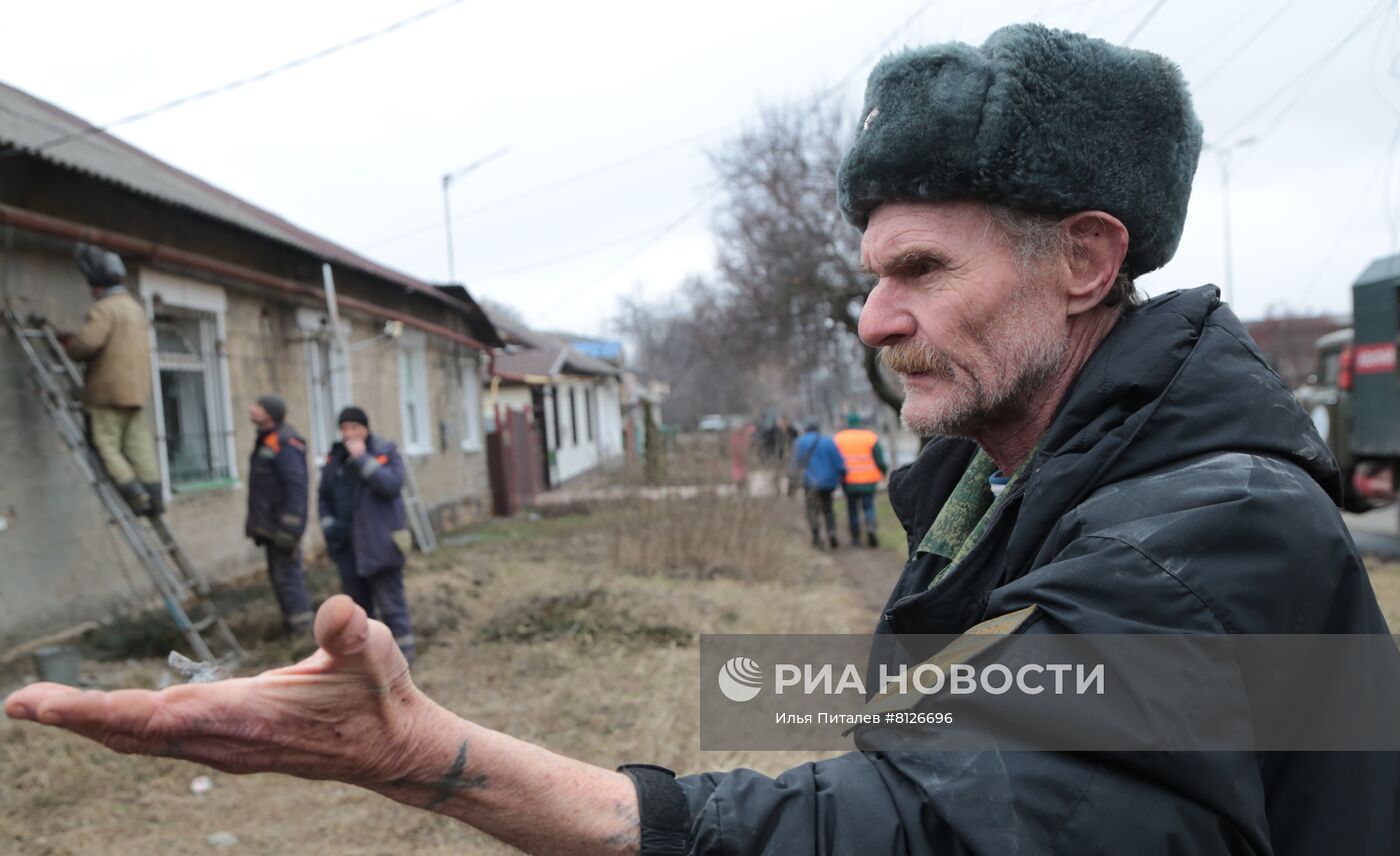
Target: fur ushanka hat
(1036,119)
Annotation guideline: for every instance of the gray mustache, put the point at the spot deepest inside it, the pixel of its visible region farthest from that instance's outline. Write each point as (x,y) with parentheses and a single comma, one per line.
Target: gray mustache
(916,358)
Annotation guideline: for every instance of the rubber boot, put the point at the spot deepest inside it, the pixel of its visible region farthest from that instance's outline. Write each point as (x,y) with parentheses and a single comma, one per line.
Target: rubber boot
(136,497)
(872,540)
(816,540)
(155,491)
(834,542)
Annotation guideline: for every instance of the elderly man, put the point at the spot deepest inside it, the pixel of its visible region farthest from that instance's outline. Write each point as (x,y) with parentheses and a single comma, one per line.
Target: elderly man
(1159,478)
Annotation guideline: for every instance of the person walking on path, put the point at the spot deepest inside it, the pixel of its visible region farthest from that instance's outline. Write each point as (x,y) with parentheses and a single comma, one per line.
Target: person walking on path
(816,457)
(277,499)
(865,467)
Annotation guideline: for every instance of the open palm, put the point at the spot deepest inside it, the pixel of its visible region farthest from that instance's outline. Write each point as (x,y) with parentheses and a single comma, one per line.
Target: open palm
(349,712)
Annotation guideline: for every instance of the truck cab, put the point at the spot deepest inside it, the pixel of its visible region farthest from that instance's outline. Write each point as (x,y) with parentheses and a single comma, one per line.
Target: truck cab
(1354,396)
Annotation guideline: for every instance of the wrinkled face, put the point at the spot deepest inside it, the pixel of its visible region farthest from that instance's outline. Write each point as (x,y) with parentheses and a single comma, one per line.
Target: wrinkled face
(353,431)
(972,337)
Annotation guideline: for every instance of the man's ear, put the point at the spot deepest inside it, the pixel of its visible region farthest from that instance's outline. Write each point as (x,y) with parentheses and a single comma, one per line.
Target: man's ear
(1099,243)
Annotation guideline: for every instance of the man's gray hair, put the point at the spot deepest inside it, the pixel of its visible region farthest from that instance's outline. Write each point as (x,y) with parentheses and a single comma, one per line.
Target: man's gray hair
(1033,236)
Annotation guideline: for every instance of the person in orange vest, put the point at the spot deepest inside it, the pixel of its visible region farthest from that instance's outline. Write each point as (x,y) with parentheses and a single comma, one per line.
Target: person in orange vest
(865,467)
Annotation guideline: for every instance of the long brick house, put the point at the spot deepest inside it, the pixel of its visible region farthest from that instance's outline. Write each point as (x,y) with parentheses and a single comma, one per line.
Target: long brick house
(238,304)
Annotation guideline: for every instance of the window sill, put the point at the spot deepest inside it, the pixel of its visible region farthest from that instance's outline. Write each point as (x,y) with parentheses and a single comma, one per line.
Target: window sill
(471,447)
(417,451)
(189,488)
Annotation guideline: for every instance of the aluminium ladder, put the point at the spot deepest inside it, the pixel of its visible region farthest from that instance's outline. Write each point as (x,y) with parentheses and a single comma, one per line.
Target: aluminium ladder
(416,511)
(184,592)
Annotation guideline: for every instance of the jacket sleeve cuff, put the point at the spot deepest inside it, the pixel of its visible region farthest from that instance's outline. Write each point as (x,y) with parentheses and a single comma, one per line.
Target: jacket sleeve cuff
(368,465)
(661,809)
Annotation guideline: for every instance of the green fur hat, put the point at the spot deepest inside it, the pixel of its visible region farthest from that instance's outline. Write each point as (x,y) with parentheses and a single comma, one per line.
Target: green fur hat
(1036,119)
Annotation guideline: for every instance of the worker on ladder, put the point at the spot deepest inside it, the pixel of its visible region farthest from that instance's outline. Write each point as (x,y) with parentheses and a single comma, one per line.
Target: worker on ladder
(115,343)
(277,507)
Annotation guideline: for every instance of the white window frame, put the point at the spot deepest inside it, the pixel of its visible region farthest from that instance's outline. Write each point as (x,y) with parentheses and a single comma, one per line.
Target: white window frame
(472,418)
(187,294)
(318,348)
(413,351)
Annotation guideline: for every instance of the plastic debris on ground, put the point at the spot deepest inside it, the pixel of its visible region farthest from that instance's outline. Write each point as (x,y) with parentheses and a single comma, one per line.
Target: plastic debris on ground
(197,673)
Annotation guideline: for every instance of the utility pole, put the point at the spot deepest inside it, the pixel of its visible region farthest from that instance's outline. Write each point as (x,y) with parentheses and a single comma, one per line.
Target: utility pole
(1224,153)
(447,179)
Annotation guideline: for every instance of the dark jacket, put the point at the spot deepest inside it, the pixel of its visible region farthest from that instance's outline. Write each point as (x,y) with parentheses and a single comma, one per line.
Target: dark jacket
(277,486)
(1179,488)
(821,463)
(360,506)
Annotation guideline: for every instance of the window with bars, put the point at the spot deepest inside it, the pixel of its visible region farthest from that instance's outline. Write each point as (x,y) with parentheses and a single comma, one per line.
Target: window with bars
(193,401)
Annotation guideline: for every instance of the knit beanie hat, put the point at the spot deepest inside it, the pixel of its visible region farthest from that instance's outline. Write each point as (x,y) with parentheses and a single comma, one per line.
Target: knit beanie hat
(353,414)
(274,406)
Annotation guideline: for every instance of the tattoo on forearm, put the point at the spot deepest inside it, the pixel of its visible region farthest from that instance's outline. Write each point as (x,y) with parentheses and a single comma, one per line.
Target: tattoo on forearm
(455,780)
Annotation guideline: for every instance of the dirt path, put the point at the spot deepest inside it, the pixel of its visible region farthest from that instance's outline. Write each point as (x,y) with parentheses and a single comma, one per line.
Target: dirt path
(871,572)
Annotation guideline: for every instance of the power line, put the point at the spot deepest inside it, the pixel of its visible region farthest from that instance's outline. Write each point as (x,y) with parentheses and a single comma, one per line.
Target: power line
(245,81)
(1303,77)
(1251,39)
(550,262)
(645,155)
(627,259)
(1204,48)
(879,49)
(1371,181)
(1151,13)
(573,178)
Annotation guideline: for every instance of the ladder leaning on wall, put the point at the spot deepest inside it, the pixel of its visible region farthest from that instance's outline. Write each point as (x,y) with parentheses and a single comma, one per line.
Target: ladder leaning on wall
(184,592)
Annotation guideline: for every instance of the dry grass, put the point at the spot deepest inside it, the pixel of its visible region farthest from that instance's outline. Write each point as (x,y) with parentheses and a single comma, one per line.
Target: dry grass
(536,629)
(741,537)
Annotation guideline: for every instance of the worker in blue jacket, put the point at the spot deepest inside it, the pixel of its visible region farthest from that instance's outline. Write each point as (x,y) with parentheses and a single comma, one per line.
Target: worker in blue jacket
(823,469)
(362,517)
(277,497)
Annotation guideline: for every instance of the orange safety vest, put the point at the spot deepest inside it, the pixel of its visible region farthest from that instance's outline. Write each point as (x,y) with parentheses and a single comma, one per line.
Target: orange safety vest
(857,447)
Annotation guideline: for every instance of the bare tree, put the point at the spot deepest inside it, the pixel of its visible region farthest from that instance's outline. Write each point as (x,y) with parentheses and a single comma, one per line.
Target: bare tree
(791,261)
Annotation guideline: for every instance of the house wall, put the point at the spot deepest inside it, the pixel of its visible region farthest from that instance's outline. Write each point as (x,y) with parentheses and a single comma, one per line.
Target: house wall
(60,561)
(573,458)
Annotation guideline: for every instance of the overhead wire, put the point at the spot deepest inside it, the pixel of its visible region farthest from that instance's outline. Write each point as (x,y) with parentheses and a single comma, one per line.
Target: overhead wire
(670,226)
(631,256)
(1151,13)
(250,79)
(1205,47)
(1250,40)
(1305,77)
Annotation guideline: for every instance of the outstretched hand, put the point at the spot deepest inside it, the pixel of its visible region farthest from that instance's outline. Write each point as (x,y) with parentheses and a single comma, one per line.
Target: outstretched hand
(348,712)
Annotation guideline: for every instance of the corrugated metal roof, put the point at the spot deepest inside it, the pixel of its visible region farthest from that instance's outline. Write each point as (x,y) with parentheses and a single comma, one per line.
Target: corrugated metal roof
(29,123)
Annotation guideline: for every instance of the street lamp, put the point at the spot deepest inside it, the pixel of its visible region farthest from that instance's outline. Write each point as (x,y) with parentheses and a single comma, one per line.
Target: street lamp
(1224,153)
(447,179)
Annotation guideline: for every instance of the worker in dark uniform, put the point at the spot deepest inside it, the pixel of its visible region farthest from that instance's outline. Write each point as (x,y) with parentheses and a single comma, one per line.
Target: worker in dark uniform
(277,496)
(362,516)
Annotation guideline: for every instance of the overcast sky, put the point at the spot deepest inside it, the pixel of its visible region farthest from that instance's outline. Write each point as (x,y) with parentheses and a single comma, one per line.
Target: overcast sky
(354,146)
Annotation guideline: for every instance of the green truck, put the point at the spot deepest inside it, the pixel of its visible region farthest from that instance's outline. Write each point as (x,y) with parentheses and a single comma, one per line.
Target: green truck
(1354,397)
